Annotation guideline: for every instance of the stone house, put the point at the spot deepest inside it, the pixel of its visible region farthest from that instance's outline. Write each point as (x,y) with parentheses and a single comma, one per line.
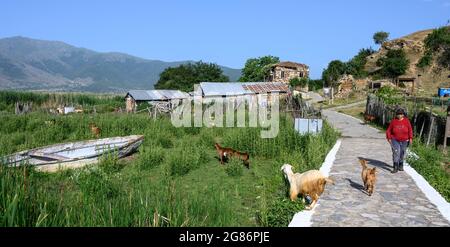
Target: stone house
(285,71)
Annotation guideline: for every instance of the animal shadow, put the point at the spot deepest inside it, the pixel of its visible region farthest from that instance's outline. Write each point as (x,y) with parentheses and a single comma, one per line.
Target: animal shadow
(378,164)
(357,186)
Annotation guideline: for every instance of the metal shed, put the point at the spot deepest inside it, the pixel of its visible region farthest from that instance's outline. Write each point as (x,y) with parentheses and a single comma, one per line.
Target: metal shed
(135,97)
(240,91)
(241,88)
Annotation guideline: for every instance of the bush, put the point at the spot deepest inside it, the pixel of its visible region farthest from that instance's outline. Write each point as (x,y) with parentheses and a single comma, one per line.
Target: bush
(234,168)
(281,211)
(186,158)
(389,95)
(425,60)
(96,184)
(437,42)
(298,82)
(109,163)
(150,158)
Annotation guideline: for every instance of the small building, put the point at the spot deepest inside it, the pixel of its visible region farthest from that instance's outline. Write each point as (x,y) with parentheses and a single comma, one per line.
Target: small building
(377,84)
(285,71)
(406,81)
(135,97)
(241,91)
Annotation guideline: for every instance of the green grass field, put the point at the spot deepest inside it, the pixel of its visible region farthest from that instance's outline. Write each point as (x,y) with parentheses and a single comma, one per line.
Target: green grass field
(174,180)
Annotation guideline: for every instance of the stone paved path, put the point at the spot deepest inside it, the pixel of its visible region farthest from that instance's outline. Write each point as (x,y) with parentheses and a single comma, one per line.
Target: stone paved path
(397,201)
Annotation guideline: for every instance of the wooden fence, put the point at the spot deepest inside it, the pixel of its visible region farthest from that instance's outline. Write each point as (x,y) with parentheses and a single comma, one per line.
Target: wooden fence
(427,126)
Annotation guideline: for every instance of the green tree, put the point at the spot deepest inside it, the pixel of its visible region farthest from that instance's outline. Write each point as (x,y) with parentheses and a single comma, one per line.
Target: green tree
(380,37)
(314,85)
(185,76)
(257,69)
(334,71)
(394,63)
(356,65)
(295,82)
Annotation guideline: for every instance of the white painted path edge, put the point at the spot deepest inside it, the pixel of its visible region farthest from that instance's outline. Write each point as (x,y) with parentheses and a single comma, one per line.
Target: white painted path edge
(432,195)
(303,218)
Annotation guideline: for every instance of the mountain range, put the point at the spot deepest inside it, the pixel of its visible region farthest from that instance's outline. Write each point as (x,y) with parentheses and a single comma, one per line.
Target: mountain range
(30,64)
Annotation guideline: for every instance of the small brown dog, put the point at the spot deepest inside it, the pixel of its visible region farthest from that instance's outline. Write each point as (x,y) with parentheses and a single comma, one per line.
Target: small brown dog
(95,130)
(223,152)
(368,176)
(310,183)
(369,118)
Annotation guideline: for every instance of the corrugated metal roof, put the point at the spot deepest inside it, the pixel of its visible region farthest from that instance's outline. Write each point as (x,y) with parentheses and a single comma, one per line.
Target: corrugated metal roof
(218,88)
(267,87)
(241,88)
(148,95)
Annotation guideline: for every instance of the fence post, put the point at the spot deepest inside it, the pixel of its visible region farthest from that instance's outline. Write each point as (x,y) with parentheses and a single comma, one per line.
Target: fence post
(447,129)
(431,125)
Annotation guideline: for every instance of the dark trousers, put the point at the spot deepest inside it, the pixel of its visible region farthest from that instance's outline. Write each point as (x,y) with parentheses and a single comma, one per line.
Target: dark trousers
(398,150)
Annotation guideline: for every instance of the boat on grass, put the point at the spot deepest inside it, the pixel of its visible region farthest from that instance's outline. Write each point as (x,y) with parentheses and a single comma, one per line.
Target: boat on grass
(74,154)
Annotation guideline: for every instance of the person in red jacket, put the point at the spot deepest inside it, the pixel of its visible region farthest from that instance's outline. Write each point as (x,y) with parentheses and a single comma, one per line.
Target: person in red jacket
(399,134)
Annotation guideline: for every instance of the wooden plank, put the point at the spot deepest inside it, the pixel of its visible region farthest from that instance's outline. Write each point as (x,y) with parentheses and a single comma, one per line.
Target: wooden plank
(430,131)
(447,132)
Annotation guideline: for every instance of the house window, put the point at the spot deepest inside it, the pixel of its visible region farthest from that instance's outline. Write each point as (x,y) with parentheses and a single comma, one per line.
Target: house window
(282,74)
(301,74)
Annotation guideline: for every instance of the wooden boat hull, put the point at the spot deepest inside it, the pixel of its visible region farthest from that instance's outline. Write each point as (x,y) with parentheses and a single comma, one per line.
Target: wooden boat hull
(76,154)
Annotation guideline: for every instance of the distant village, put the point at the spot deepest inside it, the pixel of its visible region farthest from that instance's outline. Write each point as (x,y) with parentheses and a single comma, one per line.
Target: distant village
(278,82)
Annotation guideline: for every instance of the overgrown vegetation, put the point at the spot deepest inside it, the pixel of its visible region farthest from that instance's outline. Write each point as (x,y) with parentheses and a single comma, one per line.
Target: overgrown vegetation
(437,44)
(174,180)
(389,95)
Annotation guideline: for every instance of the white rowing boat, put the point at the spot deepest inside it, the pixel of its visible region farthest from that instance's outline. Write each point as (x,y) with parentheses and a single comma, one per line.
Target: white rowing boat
(74,154)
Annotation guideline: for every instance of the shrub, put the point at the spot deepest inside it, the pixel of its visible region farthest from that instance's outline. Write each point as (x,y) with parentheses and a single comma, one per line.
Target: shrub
(96,184)
(109,163)
(151,157)
(234,168)
(281,211)
(389,95)
(186,158)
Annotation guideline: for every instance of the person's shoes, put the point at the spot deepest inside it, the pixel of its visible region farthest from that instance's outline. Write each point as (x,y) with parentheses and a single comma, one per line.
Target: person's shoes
(395,170)
(400,166)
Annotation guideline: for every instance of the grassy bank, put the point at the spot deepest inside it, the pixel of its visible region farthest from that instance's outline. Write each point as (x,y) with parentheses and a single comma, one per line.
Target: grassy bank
(433,165)
(174,180)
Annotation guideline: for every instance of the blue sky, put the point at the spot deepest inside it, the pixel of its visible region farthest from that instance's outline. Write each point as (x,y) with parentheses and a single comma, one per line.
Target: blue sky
(224,32)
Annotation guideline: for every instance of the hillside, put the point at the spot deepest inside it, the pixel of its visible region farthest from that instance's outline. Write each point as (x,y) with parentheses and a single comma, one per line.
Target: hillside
(430,78)
(56,66)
